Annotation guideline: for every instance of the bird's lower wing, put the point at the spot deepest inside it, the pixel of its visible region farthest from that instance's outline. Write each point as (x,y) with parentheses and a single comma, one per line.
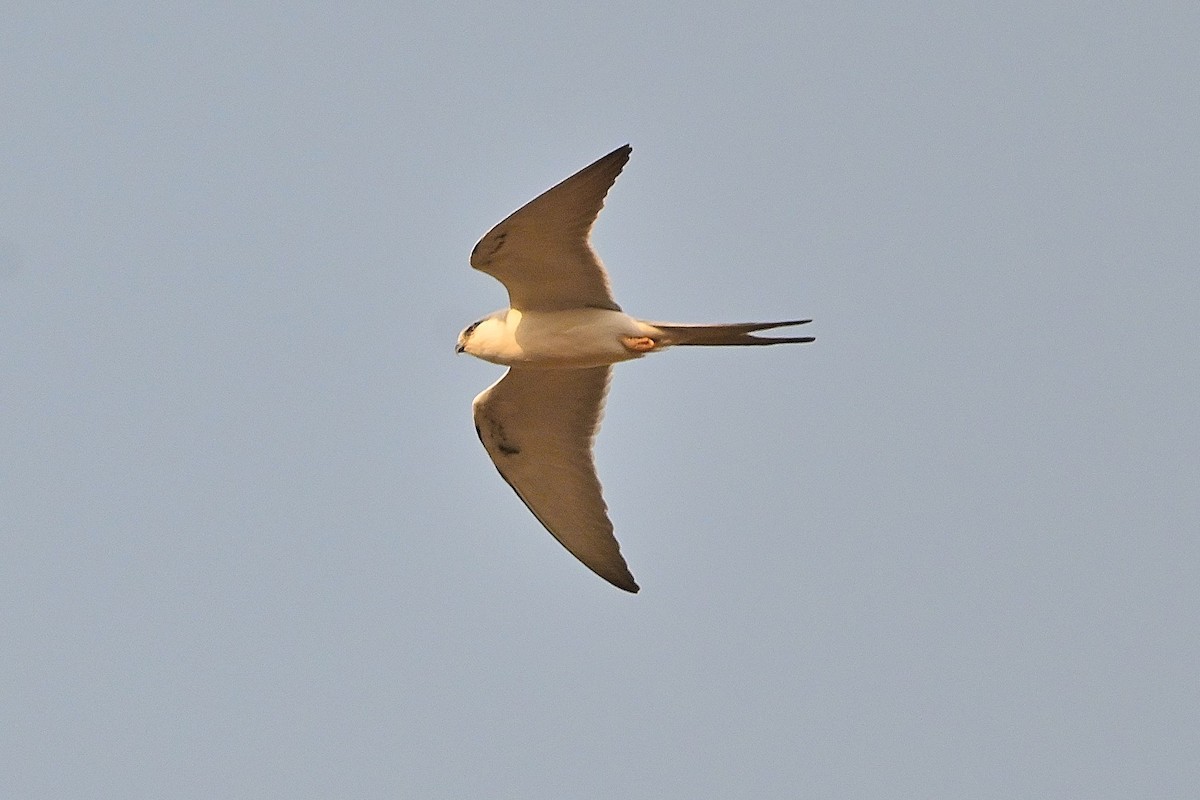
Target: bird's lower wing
(538,426)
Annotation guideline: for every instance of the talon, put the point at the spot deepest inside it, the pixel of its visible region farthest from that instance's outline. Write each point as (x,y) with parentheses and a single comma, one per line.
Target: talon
(639,344)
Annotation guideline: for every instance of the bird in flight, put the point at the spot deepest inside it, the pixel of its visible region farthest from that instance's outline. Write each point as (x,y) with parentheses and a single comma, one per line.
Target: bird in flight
(559,338)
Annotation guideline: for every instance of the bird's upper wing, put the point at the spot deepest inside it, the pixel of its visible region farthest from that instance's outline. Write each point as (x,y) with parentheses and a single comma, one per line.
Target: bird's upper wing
(538,426)
(542,253)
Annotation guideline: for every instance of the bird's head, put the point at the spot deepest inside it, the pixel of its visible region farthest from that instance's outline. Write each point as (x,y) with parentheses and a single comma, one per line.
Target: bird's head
(475,336)
(465,337)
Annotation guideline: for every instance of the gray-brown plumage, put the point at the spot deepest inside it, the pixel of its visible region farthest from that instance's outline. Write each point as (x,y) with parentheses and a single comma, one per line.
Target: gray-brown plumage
(559,338)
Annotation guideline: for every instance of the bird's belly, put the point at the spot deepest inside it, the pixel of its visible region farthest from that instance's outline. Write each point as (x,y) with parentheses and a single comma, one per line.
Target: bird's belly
(572,339)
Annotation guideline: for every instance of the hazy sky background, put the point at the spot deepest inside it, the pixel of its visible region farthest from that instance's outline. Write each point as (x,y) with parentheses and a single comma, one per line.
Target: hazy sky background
(251,548)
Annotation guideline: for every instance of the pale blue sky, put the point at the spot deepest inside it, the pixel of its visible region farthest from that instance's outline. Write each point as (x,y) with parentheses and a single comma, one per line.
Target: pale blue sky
(249,543)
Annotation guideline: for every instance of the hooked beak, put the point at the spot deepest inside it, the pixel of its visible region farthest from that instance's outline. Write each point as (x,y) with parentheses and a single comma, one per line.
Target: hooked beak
(459,348)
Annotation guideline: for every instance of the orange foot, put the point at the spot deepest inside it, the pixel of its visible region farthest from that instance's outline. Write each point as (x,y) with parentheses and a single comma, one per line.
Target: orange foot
(639,344)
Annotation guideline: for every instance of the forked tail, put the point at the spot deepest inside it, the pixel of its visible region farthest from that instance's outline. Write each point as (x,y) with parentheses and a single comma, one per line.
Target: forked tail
(727,335)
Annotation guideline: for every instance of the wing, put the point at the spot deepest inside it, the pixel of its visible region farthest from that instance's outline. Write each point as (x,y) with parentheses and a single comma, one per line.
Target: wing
(538,426)
(542,253)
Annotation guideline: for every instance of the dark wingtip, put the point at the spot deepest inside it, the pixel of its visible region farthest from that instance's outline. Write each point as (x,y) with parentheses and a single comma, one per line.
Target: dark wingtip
(622,152)
(625,583)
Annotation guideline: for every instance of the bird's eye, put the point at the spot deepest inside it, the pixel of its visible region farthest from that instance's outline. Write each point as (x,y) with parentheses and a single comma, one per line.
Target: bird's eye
(471,328)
